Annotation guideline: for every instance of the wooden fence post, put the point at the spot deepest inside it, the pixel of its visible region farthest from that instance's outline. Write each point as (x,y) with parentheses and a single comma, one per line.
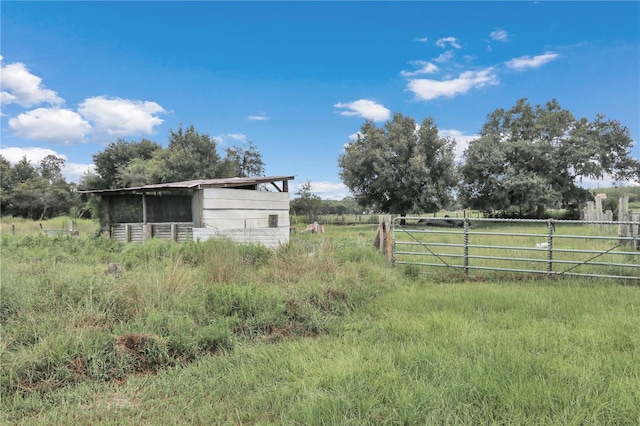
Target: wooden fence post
(383,236)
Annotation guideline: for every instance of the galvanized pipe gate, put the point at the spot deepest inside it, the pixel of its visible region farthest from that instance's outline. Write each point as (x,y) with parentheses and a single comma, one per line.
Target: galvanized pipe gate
(604,249)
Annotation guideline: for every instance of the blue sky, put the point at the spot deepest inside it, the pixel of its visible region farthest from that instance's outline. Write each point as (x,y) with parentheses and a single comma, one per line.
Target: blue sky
(298,79)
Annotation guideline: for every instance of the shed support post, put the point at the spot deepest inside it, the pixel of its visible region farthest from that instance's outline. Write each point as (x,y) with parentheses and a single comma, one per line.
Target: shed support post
(144,209)
(105,219)
(147,231)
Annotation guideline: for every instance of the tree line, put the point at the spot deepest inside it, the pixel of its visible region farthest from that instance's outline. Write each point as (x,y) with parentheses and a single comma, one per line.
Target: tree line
(189,155)
(41,191)
(37,191)
(524,160)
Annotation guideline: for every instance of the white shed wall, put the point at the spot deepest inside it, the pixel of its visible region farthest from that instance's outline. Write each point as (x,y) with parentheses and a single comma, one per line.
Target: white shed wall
(243,216)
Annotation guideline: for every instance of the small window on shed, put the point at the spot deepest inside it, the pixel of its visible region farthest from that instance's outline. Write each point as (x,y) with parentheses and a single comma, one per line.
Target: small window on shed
(273,221)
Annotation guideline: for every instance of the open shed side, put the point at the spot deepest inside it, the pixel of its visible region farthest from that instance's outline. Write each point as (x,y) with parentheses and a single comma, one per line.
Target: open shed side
(240,209)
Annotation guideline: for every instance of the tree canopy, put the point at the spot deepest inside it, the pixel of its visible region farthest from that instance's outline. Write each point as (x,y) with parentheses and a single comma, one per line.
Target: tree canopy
(36,192)
(189,155)
(400,167)
(306,202)
(528,157)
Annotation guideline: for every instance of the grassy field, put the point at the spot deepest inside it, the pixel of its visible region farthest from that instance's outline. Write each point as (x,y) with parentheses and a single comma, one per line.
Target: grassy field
(321,331)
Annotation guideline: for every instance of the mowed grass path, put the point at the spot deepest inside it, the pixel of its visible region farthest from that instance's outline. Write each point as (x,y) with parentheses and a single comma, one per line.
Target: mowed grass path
(532,352)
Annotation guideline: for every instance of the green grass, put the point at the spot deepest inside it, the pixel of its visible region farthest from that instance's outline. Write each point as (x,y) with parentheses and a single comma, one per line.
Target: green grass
(321,331)
(23,227)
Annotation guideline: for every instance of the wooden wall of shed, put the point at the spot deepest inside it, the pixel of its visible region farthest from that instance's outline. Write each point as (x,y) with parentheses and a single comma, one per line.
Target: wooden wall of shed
(135,232)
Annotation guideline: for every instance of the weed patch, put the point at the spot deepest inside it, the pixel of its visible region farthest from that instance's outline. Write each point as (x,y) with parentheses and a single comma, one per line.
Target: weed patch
(85,310)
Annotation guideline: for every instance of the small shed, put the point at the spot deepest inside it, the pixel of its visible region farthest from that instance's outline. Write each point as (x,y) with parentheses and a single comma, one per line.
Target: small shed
(246,210)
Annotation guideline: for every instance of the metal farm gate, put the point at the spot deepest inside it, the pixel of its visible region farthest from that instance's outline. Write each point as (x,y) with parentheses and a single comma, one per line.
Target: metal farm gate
(551,247)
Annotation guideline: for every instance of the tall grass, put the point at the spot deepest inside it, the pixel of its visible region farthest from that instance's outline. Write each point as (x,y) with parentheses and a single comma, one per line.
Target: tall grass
(320,331)
(501,353)
(68,316)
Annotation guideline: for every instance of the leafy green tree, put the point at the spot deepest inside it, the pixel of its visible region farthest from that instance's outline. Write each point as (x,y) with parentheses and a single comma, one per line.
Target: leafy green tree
(6,183)
(190,155)
(244,161)
(23,171)
(306,202)
(527,158)
(51,168)
(115,158)
(36,192)
(400,167)
(139,172)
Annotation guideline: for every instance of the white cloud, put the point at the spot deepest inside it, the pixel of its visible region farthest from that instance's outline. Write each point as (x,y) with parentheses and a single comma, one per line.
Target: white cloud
(225,137)
(365,108)
(425,68)
(527,62)
(327,190)
(97,115)
(51,124)
(21,87)
(228,138)
(237,136)
(260,117)
(499,35)
(451,41)
(14,154)
(426,89)
(72,172)
(462,140)
(446,56)
(121,117)
(420,39)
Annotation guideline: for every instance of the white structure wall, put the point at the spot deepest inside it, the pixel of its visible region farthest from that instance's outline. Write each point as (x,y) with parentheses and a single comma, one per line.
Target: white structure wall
(244,216)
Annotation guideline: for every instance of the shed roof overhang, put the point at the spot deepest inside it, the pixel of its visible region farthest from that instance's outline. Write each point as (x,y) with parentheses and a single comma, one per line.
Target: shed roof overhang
(191,185)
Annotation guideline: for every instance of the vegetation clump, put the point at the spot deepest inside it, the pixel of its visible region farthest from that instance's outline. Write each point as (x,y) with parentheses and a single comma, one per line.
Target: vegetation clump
(87,309)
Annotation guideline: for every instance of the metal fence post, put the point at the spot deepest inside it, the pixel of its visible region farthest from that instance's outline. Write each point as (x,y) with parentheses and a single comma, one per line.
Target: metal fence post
(393,242)
(550,228)
(466,247)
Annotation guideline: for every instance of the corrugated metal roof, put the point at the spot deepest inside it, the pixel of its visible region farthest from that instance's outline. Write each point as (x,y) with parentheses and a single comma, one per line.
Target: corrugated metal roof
(197,184)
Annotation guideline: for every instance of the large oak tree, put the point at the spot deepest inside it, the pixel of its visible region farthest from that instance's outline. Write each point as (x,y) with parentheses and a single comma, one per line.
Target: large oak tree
(528,157)
(400,167)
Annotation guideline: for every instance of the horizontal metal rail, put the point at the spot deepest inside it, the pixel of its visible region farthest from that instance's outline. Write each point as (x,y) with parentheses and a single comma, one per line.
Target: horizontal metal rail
(522,259)
(512,234)
(599,255)
(532,271)
(544,249)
